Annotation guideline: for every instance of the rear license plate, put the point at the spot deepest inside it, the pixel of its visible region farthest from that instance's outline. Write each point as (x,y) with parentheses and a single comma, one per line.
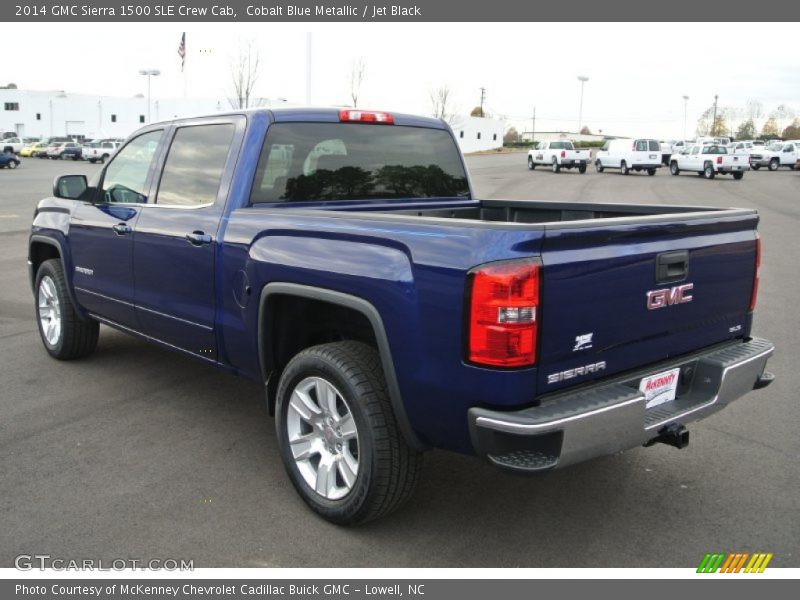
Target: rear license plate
(660,388)
(653,156)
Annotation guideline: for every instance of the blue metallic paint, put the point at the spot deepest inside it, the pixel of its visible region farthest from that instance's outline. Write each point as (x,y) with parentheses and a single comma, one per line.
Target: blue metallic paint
(413,273)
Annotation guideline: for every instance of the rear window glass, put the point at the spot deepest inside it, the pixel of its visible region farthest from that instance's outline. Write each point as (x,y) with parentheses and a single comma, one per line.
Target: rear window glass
(715,150)
(561,145)
(350,161)
(654,145)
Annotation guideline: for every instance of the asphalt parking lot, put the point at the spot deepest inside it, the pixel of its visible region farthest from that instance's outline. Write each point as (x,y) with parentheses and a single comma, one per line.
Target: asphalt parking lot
(140,453)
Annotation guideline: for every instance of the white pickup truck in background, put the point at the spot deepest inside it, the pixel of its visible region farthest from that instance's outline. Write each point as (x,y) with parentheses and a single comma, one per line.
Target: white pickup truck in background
(12,144)
(708,160)
(99,151)
(775,155)
(559,155)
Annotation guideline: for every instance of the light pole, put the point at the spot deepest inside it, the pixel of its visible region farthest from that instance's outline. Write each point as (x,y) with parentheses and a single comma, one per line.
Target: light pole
(685,110)
(583,79)
(149,73)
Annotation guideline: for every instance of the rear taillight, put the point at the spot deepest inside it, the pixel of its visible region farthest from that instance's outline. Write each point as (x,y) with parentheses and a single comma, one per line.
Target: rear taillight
(719,160)
(503,319)
(563,154)
(365,116)
(756,275)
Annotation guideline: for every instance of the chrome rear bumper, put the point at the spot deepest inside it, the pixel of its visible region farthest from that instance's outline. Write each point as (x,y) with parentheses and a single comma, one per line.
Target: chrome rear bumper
(611,416)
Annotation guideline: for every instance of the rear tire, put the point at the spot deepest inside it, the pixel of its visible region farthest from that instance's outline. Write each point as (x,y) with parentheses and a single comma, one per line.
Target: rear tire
(755,167)
(337,433)
(531,164)
(651,172)
(555,166)
(774,164)
(64,333)
(708,171)
(673,168)
(738,175)
(599,166)
(103,159)
(623,168)
(582,169)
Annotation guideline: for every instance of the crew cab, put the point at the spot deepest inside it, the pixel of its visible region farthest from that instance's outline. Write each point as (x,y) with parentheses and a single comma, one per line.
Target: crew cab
(776,155)
(342,260)
(709,160)
(629,155)
(559,155)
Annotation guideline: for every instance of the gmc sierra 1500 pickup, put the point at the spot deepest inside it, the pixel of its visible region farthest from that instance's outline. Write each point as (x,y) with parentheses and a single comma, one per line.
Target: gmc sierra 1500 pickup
(342,259)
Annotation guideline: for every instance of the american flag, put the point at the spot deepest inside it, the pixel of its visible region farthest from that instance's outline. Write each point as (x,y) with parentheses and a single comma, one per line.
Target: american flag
(182,50)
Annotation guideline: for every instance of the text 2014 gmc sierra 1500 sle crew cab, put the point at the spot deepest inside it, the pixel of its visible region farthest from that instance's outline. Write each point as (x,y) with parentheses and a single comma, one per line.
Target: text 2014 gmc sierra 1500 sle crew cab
(341,259)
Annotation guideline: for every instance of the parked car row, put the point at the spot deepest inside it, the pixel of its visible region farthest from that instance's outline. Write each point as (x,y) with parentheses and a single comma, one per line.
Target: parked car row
(707,156)
(65,148)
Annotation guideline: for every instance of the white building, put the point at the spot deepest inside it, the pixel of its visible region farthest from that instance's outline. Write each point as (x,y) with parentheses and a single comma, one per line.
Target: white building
(476,134)
(44,114)
(554,136)
(56,113)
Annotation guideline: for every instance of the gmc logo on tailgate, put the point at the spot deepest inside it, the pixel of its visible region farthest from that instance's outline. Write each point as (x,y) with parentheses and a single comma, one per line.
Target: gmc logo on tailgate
(669,296)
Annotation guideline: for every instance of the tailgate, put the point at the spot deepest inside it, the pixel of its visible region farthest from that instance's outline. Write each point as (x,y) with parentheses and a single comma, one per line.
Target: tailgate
(618,295)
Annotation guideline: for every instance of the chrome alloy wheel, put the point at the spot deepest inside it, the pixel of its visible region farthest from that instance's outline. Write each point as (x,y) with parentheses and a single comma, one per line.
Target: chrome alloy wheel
(323,438)
(49,310)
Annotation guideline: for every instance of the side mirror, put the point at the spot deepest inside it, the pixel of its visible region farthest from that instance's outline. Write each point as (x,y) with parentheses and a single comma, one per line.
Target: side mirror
(70,187)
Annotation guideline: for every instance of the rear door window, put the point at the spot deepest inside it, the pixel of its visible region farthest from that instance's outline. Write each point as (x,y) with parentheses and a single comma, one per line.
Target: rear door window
(641,145)
(654,146)
(352,161)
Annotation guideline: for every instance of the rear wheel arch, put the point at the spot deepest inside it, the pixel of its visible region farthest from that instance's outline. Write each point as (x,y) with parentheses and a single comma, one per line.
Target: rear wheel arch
(357,320)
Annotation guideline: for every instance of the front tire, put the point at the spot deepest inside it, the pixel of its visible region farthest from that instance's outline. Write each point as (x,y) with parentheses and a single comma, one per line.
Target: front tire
(599,166)
(531,164)
(673,168)
(338,435)
(623,168)
(13,164)
(64,333)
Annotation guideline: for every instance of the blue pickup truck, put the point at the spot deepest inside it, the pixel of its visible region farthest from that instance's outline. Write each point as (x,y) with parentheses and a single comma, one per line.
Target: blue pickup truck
(340,258)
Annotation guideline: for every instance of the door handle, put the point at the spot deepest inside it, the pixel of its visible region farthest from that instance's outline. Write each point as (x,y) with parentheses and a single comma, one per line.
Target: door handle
(672,266)
(198,238)
(121,229)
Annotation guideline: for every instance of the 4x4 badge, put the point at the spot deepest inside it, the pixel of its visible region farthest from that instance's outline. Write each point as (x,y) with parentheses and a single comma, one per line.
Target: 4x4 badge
(583,341)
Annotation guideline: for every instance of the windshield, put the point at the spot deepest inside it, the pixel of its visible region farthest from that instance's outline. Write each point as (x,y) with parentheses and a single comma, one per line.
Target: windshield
(775,146)
(349,161)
